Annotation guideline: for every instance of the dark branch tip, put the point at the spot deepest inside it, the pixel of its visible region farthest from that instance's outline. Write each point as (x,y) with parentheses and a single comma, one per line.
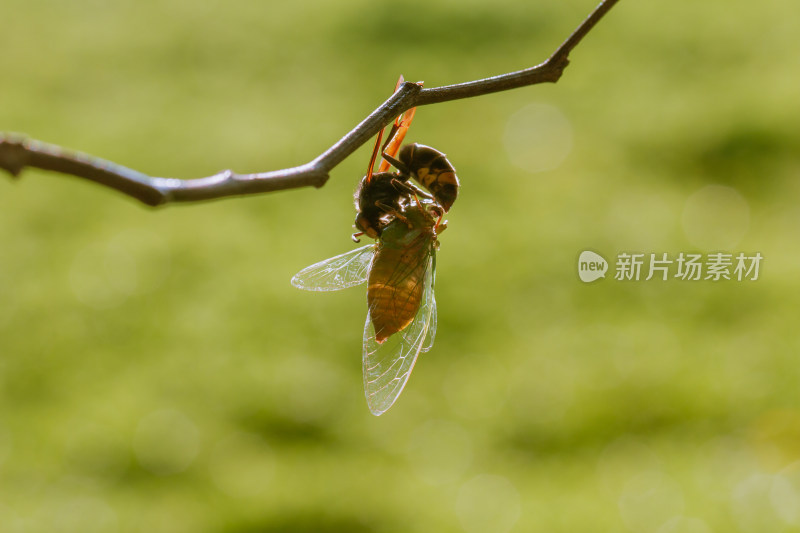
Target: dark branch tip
(13,154)
(557,64)
(411,86)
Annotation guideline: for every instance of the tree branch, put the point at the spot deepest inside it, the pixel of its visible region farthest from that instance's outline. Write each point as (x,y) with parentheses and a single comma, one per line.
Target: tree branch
(17,152)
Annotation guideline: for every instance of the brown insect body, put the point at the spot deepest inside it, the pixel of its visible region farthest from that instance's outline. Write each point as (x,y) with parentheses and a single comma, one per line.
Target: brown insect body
(402,258)
(375,197)
(432,170)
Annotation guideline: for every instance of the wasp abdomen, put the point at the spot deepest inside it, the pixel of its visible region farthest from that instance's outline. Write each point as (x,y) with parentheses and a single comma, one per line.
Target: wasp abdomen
(431,168)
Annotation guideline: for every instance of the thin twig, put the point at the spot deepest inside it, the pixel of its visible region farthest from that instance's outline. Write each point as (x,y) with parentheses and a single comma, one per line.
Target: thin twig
(17,152)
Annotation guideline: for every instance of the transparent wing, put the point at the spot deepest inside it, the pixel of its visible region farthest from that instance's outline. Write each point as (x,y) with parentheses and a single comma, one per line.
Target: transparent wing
(431,335)
(387,366)
(340,272)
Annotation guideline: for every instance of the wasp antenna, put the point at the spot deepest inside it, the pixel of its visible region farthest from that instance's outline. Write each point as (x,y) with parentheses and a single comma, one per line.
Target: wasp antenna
(392,133)
(374,155)
(395,163)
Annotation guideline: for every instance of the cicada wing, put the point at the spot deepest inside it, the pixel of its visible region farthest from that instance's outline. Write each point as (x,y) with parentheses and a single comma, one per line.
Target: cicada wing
(387,366)
(336,273)
(431,335)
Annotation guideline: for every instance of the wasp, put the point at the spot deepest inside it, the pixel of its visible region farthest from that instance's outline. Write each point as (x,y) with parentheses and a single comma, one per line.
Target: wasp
(379,194)
(401,320)
(431,169)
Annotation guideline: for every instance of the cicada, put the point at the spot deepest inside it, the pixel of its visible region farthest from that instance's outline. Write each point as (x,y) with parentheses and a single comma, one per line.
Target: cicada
(401,320)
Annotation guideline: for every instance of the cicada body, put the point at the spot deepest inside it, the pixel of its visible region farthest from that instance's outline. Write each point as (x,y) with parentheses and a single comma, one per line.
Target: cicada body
(402,258)
(401,317)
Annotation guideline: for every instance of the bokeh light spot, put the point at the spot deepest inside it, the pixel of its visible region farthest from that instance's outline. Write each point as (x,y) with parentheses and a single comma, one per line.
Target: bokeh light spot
(538,137)
(83,515)
(685,524)
(715,218)
(785,499)
(488,504)
(721,463)
(623,460)
(440,451)
(649,500)
(752,505)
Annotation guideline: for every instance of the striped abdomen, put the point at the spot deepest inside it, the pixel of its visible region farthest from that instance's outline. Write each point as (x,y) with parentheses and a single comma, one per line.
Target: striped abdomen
(431,168)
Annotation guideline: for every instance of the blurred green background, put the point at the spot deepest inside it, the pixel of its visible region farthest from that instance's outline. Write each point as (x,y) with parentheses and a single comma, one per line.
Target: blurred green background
(158,373)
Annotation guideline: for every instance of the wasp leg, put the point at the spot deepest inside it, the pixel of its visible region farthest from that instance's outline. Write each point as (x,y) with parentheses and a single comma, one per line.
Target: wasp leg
(390,136)
(390,210)
(434,208)
(355,236)
(396,163)
(441,225)
(399,130)
(410,188)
